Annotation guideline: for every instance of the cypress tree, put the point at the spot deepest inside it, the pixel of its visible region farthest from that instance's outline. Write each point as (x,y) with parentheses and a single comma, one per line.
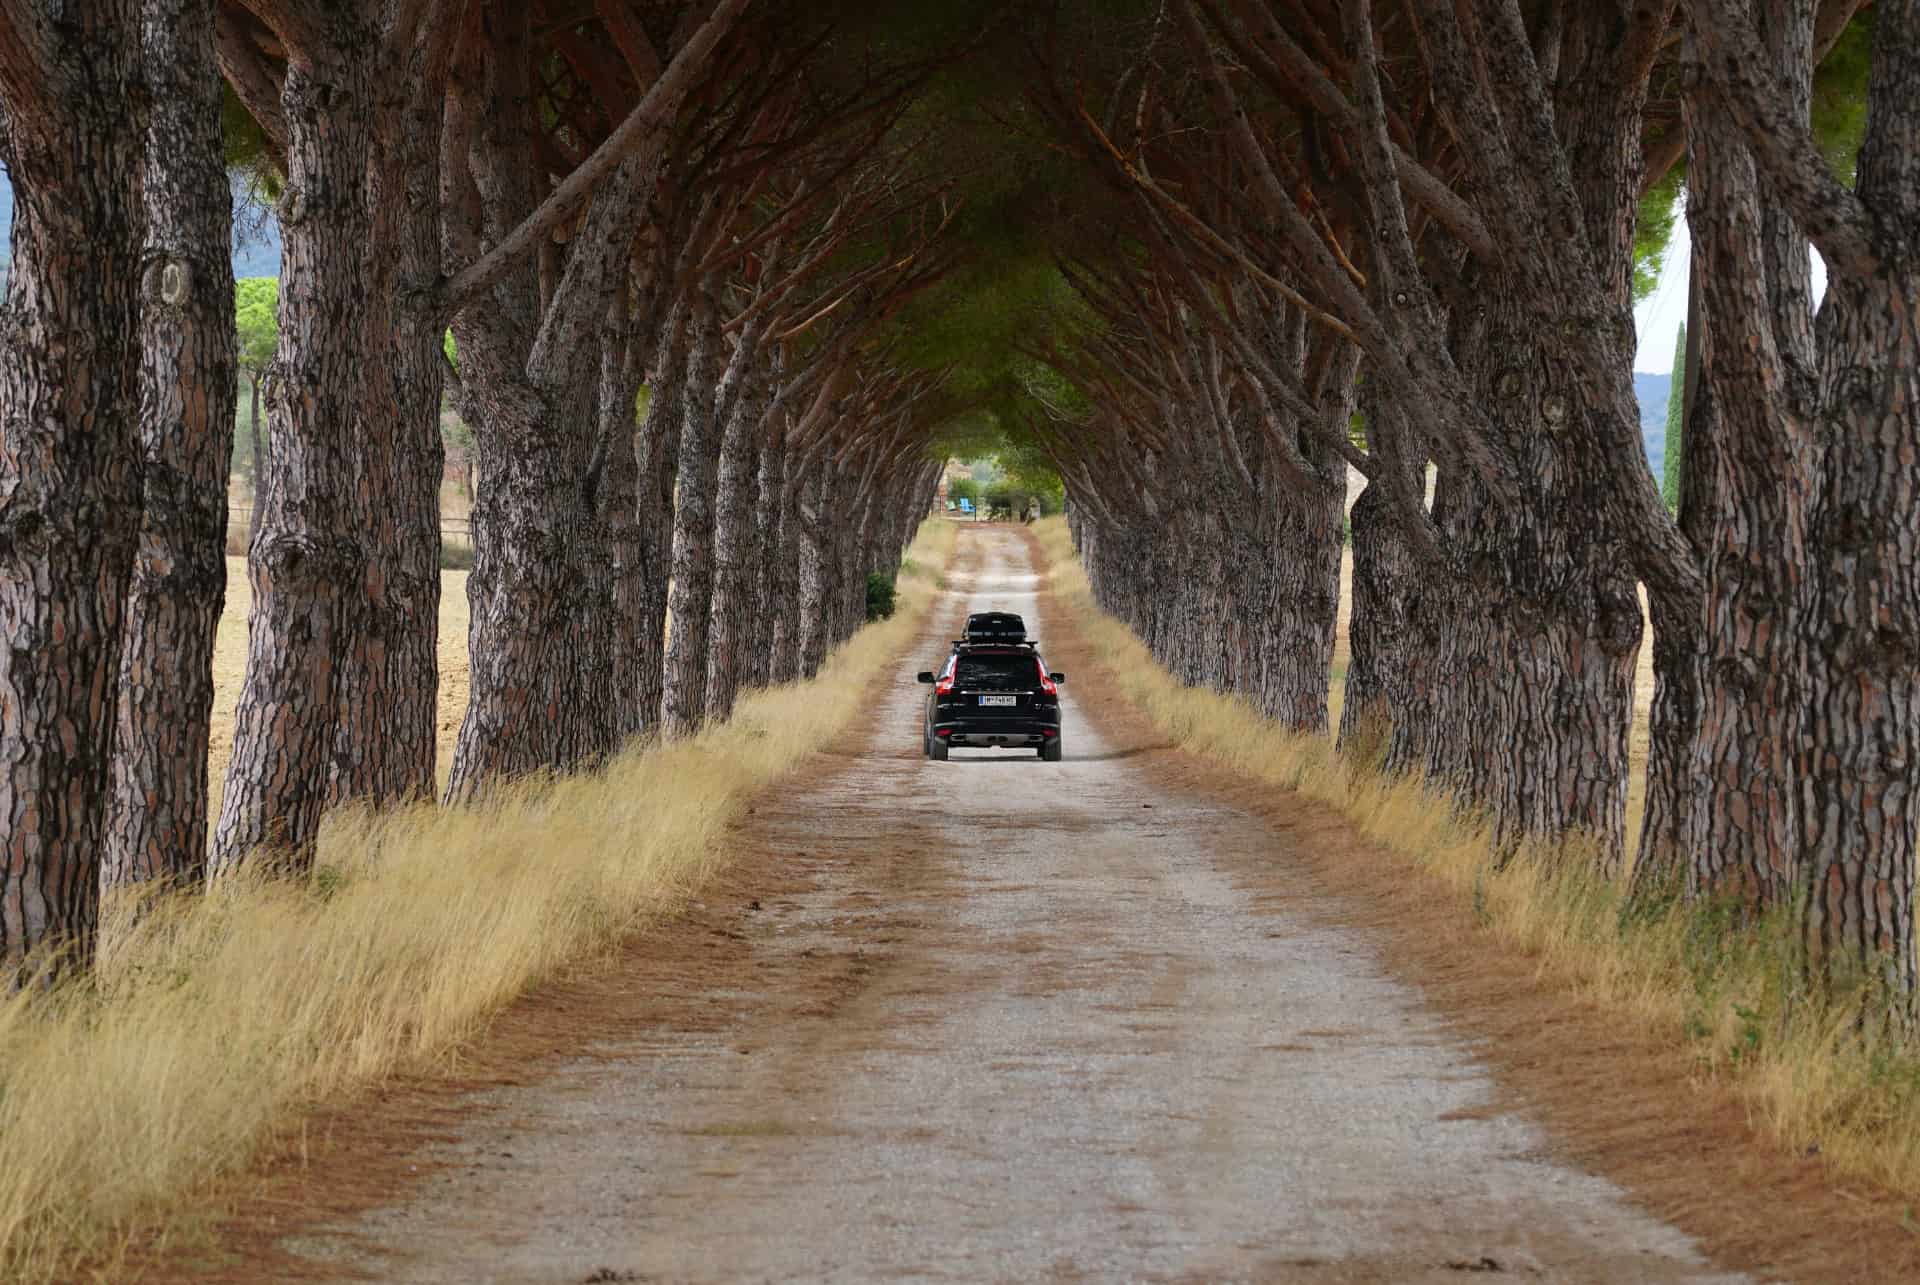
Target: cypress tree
(1676,402)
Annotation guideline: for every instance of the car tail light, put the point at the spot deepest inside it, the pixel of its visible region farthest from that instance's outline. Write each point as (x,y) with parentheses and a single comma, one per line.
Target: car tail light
(1047,685)
(945,685)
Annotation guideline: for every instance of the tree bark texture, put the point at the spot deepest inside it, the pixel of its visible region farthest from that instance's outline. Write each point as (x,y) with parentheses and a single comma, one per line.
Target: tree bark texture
(766,619)
(814,600)
(624,361)
(1549,631)
(1860,800)
(1387,587)
(157,818)
(542,573)
(70,455)
(736,549)
(307,558)
(1730,663)
(684,690)
(387,728)
(659,467)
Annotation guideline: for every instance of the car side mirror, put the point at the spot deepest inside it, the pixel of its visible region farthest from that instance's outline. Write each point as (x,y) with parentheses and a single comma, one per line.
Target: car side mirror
(924,676)
(1058,678)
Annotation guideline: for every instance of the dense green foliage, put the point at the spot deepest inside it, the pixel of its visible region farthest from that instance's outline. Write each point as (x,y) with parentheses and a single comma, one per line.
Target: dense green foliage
(256,303)
(880,596)
(1653,234)
(1840,97)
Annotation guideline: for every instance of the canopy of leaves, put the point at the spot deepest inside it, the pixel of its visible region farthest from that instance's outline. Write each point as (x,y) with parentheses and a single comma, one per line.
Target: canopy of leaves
(1840,97)
(257,318)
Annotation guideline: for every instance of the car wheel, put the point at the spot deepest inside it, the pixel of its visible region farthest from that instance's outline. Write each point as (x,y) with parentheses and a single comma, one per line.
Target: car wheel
(1050,752)
(938,751)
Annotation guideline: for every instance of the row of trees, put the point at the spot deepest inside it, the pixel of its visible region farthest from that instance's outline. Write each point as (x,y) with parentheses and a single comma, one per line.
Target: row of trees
(670,240)
(1199,257)
(1384,236)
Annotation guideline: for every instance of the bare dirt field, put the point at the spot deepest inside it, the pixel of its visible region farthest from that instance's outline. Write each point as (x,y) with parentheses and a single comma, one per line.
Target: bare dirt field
(994,1019)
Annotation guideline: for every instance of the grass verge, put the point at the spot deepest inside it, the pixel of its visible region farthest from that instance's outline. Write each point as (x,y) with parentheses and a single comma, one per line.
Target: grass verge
(215,1019)
(1734,995)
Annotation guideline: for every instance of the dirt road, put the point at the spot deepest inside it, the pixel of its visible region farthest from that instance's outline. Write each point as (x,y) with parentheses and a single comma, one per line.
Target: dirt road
(1011,1021)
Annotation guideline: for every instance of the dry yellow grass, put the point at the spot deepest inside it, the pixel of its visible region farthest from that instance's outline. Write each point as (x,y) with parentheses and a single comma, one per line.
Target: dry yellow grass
(1737,997)
(214,1019)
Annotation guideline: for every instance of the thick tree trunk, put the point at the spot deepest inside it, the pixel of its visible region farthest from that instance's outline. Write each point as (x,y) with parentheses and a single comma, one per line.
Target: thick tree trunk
(1304,565)
(542,592)
(1861,769)
(620,498)
(735,557)
(1730,663)
(157,817)
(70,458)
(525,521)
(386,738)
(783,578)
(308,559)
(771,576)
(683,701)
(1380,632)
(659,467)
(814,602)
(1532,694)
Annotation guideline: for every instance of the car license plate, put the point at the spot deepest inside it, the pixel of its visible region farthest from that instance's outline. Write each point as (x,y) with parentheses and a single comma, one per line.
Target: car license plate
(999,700)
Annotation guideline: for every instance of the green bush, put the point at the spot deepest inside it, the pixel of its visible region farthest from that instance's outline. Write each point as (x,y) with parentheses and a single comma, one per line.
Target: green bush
(879,596)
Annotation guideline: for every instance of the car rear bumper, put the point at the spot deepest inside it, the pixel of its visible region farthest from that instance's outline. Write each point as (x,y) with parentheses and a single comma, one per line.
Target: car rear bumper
(991,732)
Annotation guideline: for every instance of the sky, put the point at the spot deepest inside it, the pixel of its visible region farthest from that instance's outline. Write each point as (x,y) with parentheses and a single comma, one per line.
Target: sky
(1658,318)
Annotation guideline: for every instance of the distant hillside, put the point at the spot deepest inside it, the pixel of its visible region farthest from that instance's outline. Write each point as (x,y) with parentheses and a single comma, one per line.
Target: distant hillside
(1652,392)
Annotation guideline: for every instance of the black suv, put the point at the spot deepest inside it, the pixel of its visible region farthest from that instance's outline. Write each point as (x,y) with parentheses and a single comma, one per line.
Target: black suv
(993,695)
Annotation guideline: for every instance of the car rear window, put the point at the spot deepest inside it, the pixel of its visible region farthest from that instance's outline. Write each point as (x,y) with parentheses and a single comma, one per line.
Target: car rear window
(996,671)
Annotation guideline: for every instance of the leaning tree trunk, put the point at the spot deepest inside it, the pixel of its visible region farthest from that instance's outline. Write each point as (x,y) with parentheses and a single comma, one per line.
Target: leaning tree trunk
(543,634)
(70,460)
(307,558)
(683,695)
(157,816)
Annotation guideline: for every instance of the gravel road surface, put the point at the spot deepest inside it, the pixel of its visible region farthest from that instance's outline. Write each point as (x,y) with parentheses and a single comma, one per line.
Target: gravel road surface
(1060,1039)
